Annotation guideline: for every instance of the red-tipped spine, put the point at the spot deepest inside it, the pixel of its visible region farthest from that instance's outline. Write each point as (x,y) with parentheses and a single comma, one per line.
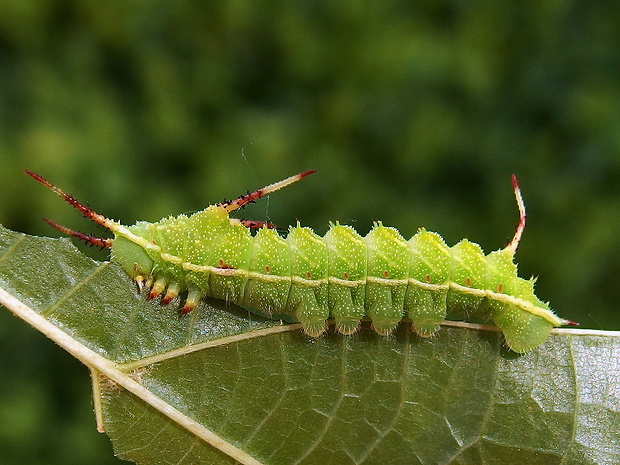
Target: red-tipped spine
(514,243)
(86,211)
(257,194)
(92,240)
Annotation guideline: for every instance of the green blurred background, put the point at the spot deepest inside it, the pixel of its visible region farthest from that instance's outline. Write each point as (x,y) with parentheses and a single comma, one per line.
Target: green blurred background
(414,113)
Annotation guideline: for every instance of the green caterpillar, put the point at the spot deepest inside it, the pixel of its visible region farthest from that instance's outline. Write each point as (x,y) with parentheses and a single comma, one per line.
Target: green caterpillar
(342,275)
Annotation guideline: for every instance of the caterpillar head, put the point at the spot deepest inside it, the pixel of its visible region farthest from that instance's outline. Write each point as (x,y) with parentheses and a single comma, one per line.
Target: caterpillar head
(133,257)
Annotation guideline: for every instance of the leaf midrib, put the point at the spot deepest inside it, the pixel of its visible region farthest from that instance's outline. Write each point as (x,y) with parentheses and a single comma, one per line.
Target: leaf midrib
(99,364)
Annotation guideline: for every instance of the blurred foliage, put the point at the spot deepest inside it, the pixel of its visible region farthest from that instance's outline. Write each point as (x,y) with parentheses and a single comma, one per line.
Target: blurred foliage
(414,113)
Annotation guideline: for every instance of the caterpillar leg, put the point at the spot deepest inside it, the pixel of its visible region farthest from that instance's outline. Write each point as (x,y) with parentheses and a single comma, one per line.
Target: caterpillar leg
(311,313)
(140,281)
(193,299)
(348,326)
(158,288)
(348,307)
(381,309)
(314,328)
(194,296)
(427,309)
(172,291)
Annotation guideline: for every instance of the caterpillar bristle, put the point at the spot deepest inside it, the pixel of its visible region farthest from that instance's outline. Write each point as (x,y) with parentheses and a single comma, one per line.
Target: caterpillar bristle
(257,194)
(426,330)
(315,329)
(384,329)
(139,280)
(348,327)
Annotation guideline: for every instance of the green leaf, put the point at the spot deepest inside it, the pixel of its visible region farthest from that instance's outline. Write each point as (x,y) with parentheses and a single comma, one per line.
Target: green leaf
(225,386)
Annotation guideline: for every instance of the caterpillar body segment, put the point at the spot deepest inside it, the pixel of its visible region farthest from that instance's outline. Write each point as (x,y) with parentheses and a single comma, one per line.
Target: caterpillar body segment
(341,275)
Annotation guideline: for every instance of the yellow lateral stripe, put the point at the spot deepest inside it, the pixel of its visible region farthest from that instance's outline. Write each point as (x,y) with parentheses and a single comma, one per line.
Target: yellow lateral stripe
(504,298)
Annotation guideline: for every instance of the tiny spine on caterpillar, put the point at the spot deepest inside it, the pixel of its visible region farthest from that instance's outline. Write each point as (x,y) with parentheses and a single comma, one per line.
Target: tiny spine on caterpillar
(341,275)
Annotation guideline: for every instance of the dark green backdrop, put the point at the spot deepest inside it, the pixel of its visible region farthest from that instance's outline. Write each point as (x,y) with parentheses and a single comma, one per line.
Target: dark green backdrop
(414,113)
